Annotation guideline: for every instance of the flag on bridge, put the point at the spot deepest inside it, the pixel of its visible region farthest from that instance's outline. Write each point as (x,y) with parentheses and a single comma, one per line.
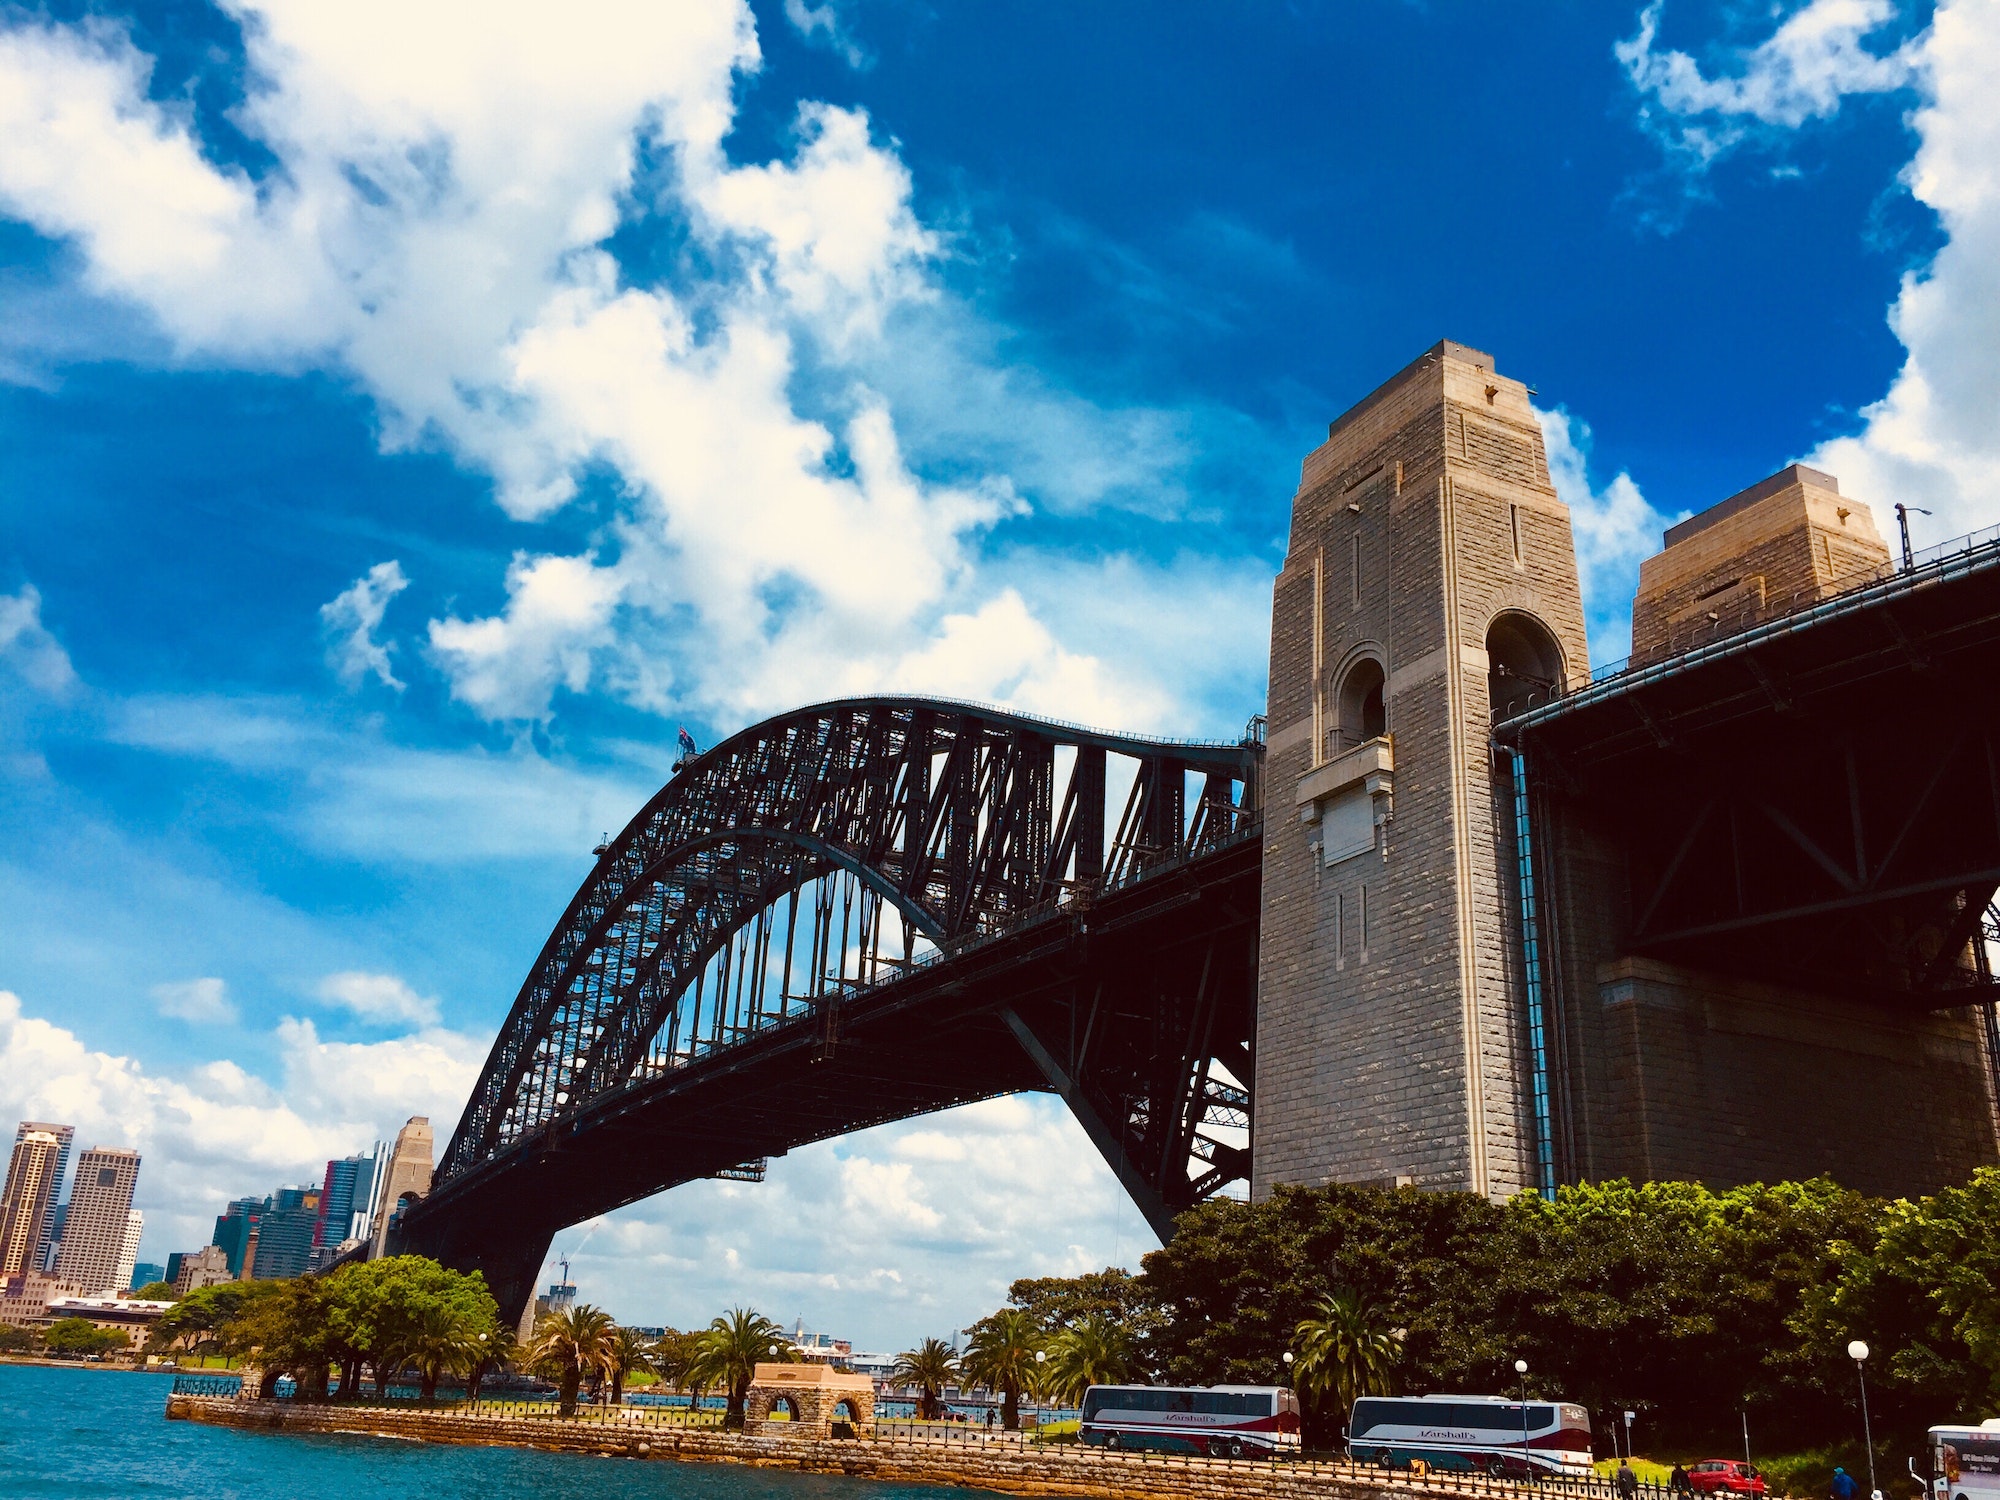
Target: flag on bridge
(688,748)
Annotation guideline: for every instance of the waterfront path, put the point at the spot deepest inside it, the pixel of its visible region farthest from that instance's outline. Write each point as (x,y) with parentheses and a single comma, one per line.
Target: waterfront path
(1008,1463)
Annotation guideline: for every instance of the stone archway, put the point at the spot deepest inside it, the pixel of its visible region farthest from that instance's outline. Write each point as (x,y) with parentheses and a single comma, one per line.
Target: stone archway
(813,1397)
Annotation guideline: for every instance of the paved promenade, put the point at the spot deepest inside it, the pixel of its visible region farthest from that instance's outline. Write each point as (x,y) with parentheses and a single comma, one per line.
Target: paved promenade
(1005,1463)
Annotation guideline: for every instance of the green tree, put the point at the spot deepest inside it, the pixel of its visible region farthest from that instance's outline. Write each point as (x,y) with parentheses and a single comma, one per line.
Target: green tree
(281,1327)
(628,1350)
(81,1336)
(568,1345)
(1055,1302)
(930,1367)
(443,1339)
(1092,1351)
(1001,1356)
(728,1351)
(15,1340)
(1345,1350)
(157,1291)
(385,1311)
(195,1323)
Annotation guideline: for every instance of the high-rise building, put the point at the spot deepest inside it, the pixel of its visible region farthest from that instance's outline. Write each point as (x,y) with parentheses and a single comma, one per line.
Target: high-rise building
(346,1197)
(52,1237)
(32,1173)
(46,1235)
(189,1270)
(146,1272)
(128,1252)
(94,1228)
(285,1233)
(235,1231)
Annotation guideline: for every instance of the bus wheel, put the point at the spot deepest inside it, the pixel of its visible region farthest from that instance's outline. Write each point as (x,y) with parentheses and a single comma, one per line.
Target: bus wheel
(1496,1469)
(1233,1448)
(1111,1440)
(1383,1458)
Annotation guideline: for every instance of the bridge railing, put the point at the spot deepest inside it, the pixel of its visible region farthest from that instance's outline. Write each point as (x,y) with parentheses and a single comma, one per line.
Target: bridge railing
(1845,592)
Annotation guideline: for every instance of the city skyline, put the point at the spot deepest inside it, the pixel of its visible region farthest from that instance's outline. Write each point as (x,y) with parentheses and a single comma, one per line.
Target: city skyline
(349,596)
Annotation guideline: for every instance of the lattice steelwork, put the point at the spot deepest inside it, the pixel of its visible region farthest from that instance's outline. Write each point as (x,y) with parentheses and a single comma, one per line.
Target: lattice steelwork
(822,854)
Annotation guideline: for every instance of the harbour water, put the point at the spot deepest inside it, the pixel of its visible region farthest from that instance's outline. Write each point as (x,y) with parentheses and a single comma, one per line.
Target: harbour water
(68,1434)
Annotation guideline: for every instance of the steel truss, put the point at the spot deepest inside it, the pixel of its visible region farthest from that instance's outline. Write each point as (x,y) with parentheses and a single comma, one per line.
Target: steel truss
(807,871)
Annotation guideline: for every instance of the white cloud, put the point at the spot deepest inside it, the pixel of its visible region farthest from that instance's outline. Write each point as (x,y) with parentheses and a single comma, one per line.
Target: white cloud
(352,617)
(509,666)
(27,647)
(201,1001)
(1615,527)
(1814,59)
(381,999)
(435,226)
(883,1236)
(821,25)
(216,1131)
(1933,439)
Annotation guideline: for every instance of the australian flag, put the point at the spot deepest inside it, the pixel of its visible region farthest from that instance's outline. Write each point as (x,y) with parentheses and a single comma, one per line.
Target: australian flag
(688,748)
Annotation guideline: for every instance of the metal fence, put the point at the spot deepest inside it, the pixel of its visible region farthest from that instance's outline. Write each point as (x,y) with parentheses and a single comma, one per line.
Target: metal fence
(229,1386)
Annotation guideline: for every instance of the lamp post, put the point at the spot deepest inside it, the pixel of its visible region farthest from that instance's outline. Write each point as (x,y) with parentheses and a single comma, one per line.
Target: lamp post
(1858,1352)
(1521,1369)
(1041,1391)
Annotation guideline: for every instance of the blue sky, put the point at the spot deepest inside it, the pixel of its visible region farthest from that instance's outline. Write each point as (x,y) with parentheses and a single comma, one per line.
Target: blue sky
(410,416)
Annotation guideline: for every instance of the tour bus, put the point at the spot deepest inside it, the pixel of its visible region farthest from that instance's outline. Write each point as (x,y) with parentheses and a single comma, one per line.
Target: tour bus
(1965,1462)
(1489,1434)
(1219,1421)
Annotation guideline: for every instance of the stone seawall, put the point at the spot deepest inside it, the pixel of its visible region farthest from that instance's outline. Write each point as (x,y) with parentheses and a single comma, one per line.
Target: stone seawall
(998,1466)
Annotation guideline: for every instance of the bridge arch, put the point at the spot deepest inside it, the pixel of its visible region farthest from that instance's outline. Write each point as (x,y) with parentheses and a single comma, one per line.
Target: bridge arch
(811,865)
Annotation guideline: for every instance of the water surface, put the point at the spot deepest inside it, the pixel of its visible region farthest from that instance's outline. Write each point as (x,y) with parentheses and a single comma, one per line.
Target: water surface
(67,1434)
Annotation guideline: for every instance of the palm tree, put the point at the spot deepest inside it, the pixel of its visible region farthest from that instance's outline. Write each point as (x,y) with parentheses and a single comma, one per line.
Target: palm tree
(628,1350)
(568,1344)
(1344,1352)
(442,1339)
(496,1348)
(930,1368)
(1091,1351)
(728,1351)
(1001,1356)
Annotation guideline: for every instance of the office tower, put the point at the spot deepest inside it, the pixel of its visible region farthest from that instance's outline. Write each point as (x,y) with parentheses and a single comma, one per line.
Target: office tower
(234,1228)
(345,1197)
(31,1177)
(285,1234)
(146,1272)
(52,1237)
(46,1234)
(190,1270)
(94,1226)
(128,1252)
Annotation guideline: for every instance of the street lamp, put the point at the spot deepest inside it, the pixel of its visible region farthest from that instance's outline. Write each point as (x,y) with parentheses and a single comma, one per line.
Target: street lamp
(1521,1369)
(1858,1352)
(1041,1391)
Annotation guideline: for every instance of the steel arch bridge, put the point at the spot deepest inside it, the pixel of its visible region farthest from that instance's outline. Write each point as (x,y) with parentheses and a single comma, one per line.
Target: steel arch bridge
(862,911)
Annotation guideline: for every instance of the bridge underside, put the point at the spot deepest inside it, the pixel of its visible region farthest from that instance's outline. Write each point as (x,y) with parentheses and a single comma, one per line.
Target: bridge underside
(1125,1008)
(1770,869)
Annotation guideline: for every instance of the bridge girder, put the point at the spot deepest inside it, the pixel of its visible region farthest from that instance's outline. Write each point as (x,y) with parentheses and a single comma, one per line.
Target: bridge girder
(939,862)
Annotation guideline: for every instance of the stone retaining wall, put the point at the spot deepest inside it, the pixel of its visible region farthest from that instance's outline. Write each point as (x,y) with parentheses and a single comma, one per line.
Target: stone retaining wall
(1000,1466)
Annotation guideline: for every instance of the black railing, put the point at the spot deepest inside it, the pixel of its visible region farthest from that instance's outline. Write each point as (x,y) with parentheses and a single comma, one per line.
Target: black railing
(208,1385)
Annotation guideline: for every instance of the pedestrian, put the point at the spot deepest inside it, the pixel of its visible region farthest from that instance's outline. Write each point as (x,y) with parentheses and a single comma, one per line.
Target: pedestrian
(1628,1482)
(1679,1482)
(1843,1484)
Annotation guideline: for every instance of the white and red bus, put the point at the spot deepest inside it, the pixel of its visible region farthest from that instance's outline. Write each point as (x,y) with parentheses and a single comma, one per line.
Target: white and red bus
(1965,1462)
(1219,1421)
(1489,1434)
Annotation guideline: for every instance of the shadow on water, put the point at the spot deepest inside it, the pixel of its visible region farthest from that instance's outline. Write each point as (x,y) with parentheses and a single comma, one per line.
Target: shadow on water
(89,1434)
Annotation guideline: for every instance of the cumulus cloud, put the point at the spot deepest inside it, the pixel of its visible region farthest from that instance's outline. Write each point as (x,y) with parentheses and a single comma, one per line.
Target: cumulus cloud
(885,1235)
(1615,527)
(1933,439)
(437,226)
(27,648)
(201,1001)
(381,999)
(217,1131)
(508,666)
(821,25)
(351,619)
(1817,57)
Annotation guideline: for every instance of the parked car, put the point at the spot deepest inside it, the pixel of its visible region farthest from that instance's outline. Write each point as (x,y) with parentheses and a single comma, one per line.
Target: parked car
(1725,1476)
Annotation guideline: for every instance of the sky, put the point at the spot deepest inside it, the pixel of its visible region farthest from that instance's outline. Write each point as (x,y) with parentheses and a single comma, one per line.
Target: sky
(411,415)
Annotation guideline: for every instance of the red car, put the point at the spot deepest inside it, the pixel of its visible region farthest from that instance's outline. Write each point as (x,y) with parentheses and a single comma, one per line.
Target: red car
(1725,1476)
